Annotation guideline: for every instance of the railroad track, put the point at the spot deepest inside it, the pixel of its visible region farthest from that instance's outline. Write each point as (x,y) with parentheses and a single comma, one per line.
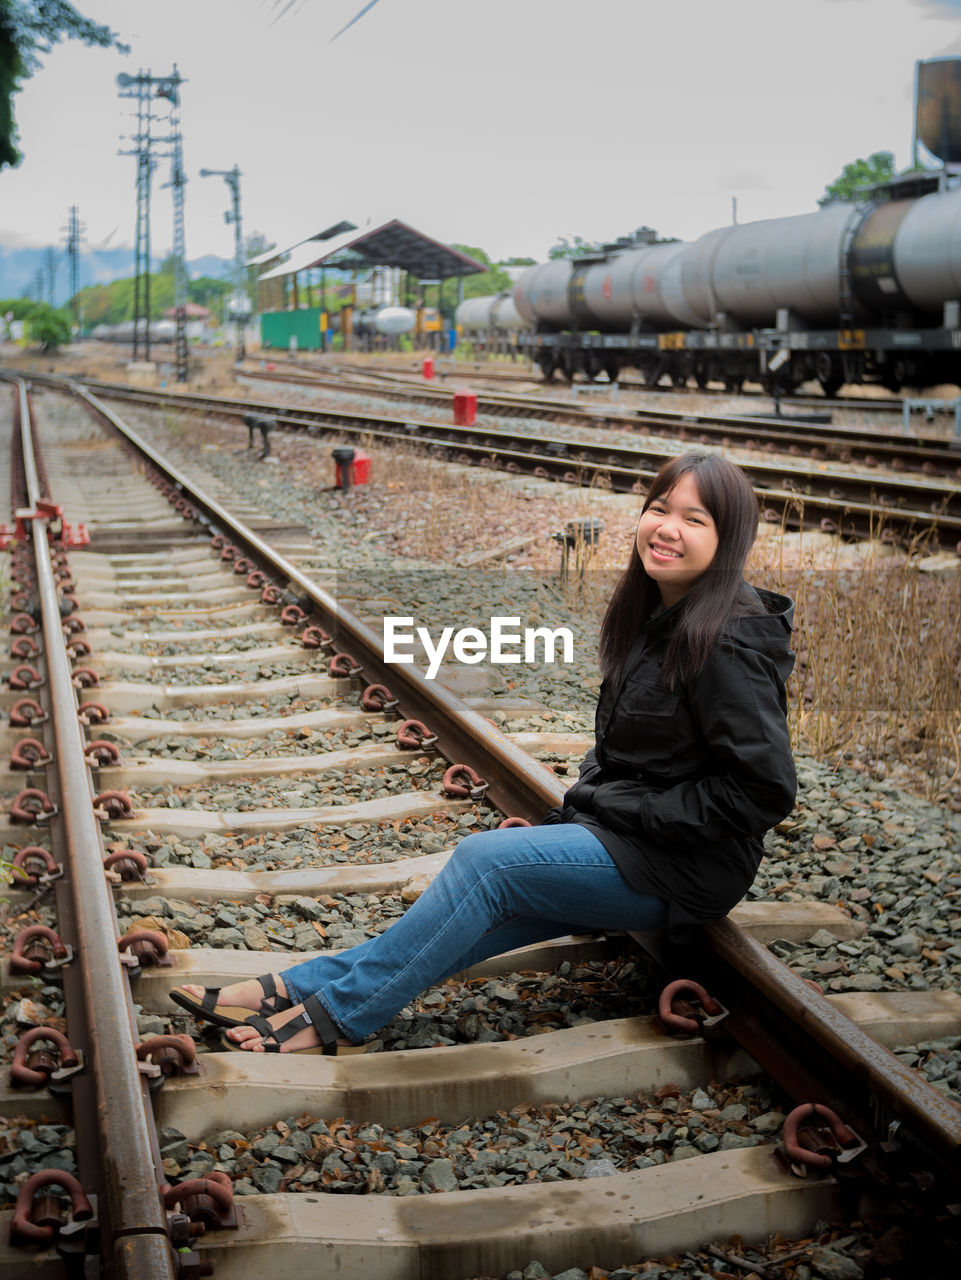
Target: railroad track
(912,508)
(790,434)
(796,436)
(158,593)
(486,372)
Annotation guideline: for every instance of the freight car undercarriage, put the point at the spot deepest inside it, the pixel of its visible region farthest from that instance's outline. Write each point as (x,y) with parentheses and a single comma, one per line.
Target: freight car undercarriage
(779,360)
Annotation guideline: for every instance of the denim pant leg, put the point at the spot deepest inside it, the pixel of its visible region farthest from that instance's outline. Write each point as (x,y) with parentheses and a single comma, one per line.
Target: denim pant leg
(499,890)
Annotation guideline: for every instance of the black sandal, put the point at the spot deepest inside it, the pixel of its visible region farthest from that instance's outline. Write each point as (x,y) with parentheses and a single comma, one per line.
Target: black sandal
(208,1007)
(314,1015)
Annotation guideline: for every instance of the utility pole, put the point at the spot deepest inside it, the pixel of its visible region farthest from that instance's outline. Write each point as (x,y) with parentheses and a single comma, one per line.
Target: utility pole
(74,233)
(51,268)
(170,89)
(146,87)
(239,304)
(139,87)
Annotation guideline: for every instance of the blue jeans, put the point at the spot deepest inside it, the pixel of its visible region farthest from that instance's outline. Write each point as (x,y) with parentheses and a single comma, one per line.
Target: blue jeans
(498,891)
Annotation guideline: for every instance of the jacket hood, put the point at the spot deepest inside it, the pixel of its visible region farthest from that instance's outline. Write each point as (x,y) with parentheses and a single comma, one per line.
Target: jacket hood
(769,632)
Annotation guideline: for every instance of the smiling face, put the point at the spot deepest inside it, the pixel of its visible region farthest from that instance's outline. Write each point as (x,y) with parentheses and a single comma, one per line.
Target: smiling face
(676,539)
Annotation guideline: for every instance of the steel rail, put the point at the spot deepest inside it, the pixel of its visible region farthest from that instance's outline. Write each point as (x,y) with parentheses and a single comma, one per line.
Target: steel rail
(133,1223)
(769,477)
(754,431)
(496,373)
(776,423)
(31,477)
(855,508)
(796,1034)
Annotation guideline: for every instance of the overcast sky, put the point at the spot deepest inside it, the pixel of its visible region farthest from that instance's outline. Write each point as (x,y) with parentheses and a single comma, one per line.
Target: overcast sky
(497,123)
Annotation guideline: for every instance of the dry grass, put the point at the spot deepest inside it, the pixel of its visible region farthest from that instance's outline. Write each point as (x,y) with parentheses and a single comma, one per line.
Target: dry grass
(879,669)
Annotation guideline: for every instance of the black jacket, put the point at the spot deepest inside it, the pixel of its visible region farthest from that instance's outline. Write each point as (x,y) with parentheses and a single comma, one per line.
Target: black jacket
(682,784)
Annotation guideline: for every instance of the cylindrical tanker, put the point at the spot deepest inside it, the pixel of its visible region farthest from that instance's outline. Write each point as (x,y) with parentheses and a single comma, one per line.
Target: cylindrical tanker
(541,293)
(160,331)
(493,311)
(385,320)
(904,257)
(761,267)
(640,284)
(927,251)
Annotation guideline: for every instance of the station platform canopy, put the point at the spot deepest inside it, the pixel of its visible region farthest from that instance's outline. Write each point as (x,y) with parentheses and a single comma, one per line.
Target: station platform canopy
(314,241)
(394,244)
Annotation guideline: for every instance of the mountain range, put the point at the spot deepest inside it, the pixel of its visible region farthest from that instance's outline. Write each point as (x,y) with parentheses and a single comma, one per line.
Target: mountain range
(19,268)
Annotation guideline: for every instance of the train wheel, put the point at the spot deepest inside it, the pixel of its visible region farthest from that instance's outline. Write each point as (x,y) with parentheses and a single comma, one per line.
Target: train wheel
(548,367)
(592,367)
(652,374)
(679,380)
(733,385)
(612,369)
(568,366)
(828,374)
(902,373)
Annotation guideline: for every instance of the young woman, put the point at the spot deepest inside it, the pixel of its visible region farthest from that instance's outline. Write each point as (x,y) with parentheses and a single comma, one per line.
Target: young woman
(663,829)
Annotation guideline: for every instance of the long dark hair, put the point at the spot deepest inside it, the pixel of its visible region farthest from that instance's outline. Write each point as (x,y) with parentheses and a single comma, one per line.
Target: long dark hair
(718,594)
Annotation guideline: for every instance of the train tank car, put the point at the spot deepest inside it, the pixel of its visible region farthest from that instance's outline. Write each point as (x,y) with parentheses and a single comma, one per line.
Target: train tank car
(495,312)
(387,321)
(161,331)
(859,292)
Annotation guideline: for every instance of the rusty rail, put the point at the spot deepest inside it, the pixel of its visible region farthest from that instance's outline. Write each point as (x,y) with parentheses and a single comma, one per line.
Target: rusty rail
(133,1226)
(803,441)
(820,1056)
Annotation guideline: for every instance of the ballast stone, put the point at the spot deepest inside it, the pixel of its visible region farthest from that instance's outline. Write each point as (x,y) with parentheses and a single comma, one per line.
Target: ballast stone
(831,1265)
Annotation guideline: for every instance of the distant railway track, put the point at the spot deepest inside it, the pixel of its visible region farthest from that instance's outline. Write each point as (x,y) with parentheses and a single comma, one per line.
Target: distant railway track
(448,367)
(773,433)
(170,583)
(899,506)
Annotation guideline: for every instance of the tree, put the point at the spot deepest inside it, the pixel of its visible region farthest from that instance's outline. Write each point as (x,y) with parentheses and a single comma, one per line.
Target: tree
(113,303)
(879,167)
(255,244)
(93,305)
(207,292)
(28,29)
(493,280)
(578,247)
(51,328)
(573,247)
(11,69)
(17,308)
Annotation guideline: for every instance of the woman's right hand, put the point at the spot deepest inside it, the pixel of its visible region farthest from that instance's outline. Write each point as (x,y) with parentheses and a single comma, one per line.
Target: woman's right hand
(589,777)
